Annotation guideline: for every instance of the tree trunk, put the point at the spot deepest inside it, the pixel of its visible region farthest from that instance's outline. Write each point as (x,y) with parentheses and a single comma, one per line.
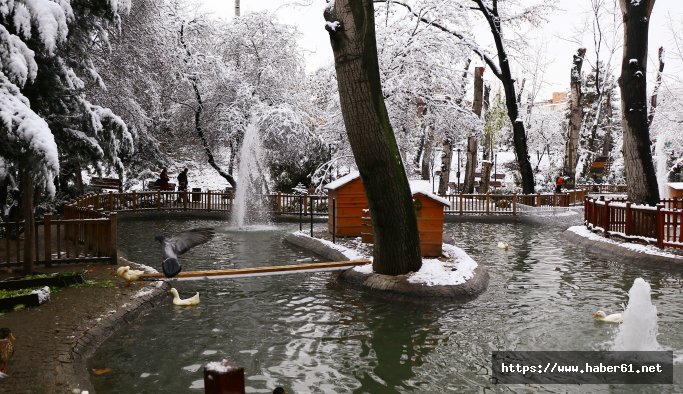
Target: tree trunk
(351,26)
(427,154)
(641,180)
(504,74)
(471,164)
(198,115)
(486,150)
(571,153)
(655,91)
(29,222)
(607,139)
(446,158)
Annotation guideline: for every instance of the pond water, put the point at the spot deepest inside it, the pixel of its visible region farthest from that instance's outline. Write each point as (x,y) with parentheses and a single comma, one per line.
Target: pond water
(311,335)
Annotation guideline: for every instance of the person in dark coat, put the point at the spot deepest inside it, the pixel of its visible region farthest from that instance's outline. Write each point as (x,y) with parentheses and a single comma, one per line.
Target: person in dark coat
(182,181)
(163,180)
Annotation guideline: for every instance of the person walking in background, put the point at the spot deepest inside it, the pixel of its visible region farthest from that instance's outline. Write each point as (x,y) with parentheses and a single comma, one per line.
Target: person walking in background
(182,184)
(559,181)
(182,181)
(162,182)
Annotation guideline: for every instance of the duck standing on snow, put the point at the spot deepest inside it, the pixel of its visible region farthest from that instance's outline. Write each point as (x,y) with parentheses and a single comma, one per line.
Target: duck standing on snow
(6,349)
(128,274)
(194,300)
(503,245)
(178,244)
(613,318)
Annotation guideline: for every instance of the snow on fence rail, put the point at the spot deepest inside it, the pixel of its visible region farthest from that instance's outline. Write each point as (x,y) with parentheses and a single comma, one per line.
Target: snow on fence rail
(661,225)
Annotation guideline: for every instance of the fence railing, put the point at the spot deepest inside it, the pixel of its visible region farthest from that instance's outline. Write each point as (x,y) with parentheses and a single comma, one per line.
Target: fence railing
(491,204)
(661,225)
(82,237)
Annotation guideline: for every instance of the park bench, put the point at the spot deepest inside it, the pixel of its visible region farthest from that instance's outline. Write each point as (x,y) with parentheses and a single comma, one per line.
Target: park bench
(99,183)
(152,187)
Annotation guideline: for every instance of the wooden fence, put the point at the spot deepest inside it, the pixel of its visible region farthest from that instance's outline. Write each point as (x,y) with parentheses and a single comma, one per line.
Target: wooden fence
(660,225)
(509,204)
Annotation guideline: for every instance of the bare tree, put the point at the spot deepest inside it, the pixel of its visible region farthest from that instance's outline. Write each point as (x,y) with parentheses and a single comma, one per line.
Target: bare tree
(351,26)
(641,179)
(472,140)
(575,116)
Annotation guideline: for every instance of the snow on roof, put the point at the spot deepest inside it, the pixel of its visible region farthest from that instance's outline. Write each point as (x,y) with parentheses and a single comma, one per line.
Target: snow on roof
(343,180)
(418,186)
(676,185)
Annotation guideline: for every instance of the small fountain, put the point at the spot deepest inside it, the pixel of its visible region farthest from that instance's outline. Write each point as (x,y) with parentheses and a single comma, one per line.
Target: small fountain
(248,207)
(638,332)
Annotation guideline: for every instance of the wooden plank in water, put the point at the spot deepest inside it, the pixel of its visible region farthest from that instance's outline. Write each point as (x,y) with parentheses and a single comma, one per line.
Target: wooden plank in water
(272,270)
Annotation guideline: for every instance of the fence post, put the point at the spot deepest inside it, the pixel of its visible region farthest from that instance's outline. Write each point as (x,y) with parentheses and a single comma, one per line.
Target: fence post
(158,199)
(628,226)
(111,201)
(606,219)
(47,238)
(460,203)
(488,203)
(334,220)
(97,201)
(225,378)
(585,211)
(310,211)
(208,200)
(301,209)
(514,204)
(279,202)
(305,203)
(185,200)
(660,226)
(113,247)
(135,201)
(538,199)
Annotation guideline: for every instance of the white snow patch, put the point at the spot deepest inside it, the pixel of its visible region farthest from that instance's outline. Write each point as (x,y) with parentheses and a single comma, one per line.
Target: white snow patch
(333,25)
(43,294)
(343,180)
(209,352)
(457,270)
(424,187)
(143,292)
(348,253)
(646,249)
(192,368)
(145,375)
(220,367)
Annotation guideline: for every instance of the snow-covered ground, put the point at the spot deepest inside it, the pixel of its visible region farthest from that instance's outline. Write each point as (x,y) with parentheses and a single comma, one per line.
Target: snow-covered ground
(646,249)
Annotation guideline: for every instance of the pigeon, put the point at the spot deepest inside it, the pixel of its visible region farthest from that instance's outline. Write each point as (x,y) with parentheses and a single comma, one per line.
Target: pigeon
(178,244)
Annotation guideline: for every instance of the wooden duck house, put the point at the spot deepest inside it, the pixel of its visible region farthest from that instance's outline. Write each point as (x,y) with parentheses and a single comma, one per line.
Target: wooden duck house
(349,194)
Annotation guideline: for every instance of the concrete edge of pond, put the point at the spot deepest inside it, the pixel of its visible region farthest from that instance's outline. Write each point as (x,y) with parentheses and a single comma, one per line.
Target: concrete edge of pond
(614,249)
(394,286)
(91,338)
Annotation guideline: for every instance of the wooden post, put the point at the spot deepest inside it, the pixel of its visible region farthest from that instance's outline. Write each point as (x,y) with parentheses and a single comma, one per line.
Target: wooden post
(111,201)
(47,238)
(223,377)
(158,199)
(113,247)
(305,203)
(208,200)
(334,220)
(97,201)
(135,201)
(488,203)
(605,221)
(586,204)
(460,203)
(310,211)
(660,226)
(279,202)
(185,200)
(628,226)
(538,199)
(514,204)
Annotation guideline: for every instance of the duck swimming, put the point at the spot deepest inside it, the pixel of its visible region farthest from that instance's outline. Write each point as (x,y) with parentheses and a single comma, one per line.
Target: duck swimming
(194,300)
(503,245)
(613,318)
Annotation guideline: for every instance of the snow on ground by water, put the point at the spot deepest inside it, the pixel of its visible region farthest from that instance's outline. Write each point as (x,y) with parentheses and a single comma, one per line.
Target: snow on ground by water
(646,249)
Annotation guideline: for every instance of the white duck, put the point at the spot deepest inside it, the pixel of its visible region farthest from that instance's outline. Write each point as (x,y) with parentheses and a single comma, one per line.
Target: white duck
(128,274)
(503,245)
(194,300)
(613,318)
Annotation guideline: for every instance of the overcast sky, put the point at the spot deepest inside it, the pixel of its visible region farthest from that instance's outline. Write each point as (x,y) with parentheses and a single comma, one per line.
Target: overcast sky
(559,33)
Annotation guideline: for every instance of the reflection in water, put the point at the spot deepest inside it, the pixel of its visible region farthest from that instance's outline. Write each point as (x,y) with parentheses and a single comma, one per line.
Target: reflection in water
(312,335)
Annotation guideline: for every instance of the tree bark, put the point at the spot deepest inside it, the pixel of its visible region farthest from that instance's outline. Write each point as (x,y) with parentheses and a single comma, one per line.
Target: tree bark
(29,222)
(571,153)
(351,26)
(486,150)
(641,179)
(607,139)
(472,141)
(427,153)
(655,91)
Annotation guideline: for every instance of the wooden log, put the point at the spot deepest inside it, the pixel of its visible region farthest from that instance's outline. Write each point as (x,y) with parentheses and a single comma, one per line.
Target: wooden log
(250,271)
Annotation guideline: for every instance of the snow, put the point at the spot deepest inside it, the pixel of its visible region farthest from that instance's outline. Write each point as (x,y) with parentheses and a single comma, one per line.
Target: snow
(457,270)
(419,186)
(50,20)
(632,61)
(343,180)
(329,7)
(676,185)
(645,249)
(220,367)
(348,253)
(43,294)
(332,26)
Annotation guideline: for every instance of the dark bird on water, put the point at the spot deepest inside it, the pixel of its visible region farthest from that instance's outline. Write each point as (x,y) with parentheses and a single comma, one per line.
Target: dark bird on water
(178,244)
(6,348)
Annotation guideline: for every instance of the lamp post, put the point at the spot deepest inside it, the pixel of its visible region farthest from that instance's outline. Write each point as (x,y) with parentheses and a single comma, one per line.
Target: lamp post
(457,174)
